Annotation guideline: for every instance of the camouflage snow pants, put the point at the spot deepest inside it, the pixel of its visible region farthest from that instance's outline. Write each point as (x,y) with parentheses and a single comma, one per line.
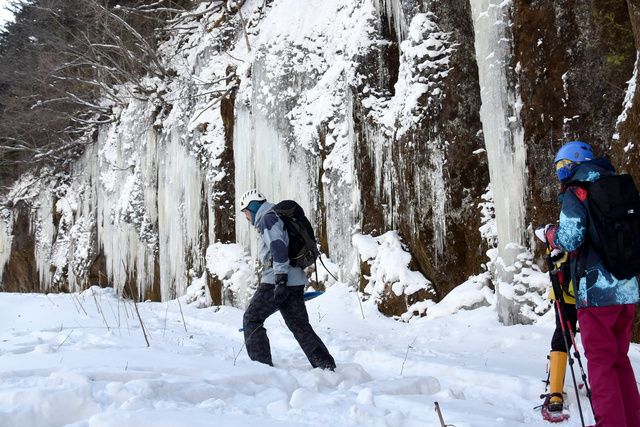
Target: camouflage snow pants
(294,313)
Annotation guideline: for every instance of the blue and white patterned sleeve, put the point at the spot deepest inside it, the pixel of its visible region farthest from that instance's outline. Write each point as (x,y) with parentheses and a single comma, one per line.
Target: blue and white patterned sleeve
(573,220)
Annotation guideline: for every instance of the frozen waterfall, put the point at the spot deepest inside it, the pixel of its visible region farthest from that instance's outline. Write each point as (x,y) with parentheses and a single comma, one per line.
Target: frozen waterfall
(503,133)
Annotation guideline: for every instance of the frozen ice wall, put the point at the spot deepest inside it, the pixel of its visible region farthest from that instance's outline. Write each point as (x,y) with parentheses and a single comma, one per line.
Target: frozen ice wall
(394,11)
(296,138)
(5,244)
(311,85)
(143,199)
(125,201)
(295,79)
(503,136)
(138,198)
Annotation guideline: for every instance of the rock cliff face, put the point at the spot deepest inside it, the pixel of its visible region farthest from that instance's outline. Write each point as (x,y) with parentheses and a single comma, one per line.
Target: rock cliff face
(436,119)
(428,176)
(578,78)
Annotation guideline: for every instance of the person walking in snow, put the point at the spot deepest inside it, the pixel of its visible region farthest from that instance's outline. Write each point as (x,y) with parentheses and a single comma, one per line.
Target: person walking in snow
(606,304)
(281,288)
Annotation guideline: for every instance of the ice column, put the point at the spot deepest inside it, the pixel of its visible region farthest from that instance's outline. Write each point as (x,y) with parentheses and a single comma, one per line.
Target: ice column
(395,14)
(5,245)
(503,133)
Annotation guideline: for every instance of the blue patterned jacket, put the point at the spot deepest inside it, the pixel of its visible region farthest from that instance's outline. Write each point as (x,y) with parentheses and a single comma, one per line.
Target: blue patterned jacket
(596,286)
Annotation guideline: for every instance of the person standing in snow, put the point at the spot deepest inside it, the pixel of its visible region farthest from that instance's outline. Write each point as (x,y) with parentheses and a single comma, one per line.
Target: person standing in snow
(281,288)
(552,408)
(606,305)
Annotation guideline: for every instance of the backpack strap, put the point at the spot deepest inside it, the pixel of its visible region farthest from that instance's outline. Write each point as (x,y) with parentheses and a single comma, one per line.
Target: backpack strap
(261,224)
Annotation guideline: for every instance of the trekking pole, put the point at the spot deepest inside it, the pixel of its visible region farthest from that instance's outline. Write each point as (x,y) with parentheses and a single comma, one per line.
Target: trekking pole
(440,416)
(325,267)
(576,353)
(557,290)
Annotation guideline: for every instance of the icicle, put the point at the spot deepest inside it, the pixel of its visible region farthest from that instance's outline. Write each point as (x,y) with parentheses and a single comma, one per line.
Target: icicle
(502,129)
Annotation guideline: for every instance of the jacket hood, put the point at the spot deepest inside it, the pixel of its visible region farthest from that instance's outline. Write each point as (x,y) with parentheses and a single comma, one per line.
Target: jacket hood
(266,207)
(591,170)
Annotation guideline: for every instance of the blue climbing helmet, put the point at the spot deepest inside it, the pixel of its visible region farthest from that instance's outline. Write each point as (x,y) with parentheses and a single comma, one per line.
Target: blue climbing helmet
(569,154)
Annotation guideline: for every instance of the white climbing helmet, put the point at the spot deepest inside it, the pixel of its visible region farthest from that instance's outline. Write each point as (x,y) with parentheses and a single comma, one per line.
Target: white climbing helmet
(250,196)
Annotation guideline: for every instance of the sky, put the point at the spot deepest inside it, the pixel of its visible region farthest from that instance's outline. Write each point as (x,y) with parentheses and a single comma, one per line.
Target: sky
(82,360)
(5,15)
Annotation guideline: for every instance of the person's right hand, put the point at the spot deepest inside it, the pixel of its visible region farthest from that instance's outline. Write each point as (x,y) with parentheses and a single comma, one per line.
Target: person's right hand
(280,291)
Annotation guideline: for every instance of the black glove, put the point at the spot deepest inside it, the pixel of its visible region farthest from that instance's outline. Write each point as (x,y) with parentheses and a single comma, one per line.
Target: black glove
(279,292)
(557,255)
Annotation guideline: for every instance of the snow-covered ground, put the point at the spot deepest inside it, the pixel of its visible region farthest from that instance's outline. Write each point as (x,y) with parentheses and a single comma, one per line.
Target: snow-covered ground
(82,360)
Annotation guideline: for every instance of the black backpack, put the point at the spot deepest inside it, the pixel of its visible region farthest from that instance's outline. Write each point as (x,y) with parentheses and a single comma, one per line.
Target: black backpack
(614,206)
(303,250)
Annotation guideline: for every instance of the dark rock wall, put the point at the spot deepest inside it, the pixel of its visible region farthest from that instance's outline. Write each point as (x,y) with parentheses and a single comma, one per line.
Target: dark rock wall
(449,129)
(20,273)
(575,59)
(456,122)
(466,173)
(629,130)
(573,81)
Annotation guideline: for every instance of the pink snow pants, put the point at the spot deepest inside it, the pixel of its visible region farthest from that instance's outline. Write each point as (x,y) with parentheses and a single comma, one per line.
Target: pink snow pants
(606,335)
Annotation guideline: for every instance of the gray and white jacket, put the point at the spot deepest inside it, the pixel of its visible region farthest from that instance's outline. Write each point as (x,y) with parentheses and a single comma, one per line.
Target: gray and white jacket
(273,248)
